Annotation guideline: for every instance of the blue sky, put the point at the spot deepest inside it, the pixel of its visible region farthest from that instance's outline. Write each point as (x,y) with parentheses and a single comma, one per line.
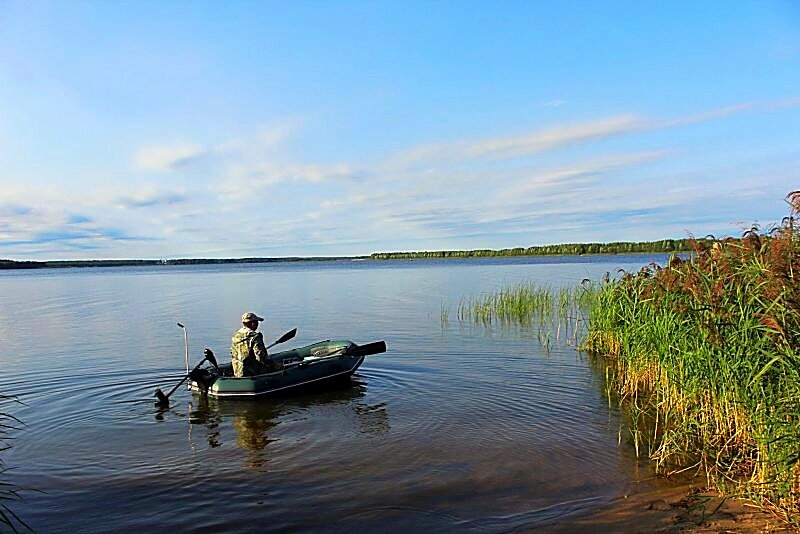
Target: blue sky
(208,129)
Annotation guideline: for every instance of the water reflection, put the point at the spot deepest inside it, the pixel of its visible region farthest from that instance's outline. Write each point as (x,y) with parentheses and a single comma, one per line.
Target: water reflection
(484,423)
(256,422)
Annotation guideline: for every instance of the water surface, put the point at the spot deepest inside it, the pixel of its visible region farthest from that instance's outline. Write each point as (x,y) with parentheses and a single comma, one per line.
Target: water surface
(456,427)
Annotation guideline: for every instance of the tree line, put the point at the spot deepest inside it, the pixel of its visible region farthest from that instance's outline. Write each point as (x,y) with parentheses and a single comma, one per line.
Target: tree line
(567,249)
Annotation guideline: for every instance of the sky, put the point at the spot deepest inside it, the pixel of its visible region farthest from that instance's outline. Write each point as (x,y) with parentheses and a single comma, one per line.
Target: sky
(197,129)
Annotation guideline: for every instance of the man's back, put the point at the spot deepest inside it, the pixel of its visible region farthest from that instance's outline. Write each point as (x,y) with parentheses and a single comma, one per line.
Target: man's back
(248,353)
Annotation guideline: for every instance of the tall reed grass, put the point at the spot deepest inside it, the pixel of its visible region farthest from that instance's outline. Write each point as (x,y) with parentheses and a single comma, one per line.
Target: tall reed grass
(562,312)
(706,350)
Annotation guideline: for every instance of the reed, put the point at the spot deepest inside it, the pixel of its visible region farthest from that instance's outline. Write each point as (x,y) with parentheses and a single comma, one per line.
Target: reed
(9,492)
(562,312)
(706,351)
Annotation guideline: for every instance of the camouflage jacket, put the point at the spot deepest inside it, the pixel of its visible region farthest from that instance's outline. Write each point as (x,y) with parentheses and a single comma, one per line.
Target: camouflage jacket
(248,353)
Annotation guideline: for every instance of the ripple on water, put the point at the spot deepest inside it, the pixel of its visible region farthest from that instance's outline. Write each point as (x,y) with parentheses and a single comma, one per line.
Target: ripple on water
(454,428)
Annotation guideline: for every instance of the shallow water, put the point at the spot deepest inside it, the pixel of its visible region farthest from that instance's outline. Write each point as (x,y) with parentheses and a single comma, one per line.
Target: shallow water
(456,427)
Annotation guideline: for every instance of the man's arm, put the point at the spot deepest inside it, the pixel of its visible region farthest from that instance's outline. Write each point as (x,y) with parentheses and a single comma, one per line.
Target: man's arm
(261,354)
(259,349)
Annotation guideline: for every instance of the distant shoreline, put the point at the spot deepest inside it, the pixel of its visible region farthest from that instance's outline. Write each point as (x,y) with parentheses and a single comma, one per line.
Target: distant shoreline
(56,264)
(665,246)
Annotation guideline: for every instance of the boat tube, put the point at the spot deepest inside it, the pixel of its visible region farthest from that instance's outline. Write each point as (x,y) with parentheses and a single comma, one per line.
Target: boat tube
(313,364)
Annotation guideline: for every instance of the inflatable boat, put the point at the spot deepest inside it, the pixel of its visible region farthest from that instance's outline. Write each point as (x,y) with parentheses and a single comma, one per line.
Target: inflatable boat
(313,364)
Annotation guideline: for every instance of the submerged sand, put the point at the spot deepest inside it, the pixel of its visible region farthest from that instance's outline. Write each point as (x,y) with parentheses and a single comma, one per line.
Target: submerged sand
(686,508)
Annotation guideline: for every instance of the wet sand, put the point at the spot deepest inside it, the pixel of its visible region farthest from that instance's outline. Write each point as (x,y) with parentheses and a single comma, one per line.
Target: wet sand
(685,508)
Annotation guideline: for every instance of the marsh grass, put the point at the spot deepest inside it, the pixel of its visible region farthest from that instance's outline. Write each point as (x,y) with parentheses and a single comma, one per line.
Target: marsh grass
(704,353)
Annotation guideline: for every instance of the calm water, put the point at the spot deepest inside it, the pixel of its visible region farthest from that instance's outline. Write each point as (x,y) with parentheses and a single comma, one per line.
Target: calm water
(456,427)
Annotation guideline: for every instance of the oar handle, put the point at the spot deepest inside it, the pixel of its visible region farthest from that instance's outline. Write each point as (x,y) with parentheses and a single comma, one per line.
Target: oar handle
(177,385)
(196,367)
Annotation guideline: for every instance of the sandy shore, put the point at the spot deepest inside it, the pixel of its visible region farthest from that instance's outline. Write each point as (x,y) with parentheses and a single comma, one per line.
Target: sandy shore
(681,509)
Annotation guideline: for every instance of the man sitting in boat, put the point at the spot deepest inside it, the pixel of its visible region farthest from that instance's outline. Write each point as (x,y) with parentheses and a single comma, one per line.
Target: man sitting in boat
(248,353)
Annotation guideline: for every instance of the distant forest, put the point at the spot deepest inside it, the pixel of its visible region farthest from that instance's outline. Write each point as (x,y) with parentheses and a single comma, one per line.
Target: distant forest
(569,249)
(11,264)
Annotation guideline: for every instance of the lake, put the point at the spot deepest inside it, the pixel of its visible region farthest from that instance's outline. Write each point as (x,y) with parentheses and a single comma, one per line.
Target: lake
(456,427)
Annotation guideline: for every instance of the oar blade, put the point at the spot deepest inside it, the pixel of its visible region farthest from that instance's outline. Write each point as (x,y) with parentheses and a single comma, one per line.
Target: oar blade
(370,348)
(162,399)
(287,336)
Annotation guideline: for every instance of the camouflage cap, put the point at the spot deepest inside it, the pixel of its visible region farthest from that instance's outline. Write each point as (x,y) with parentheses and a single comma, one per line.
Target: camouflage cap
(250,316)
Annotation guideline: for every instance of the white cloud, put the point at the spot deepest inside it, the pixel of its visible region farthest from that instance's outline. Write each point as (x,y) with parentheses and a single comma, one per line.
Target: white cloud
(727,111)
(166,158)
(151,196)
(427,196)
(704,116)
(247,179)
(521,145)
(578,174)
(564,135)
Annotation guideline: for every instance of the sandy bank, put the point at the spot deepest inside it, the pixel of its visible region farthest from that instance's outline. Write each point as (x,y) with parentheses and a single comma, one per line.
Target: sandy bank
(682,509)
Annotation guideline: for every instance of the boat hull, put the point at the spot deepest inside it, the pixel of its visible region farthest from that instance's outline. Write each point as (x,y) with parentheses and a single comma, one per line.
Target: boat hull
(310,365)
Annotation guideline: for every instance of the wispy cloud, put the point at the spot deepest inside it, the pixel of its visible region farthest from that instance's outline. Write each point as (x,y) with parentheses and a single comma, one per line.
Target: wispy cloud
(75,237)
(565,135)
(150,197)
(248,179)
(567,178)
(453,191)
(562,182)
(167,158)
(727,111)
(77,218)
(172,157)
(53,229)
(13,210)
(521,145)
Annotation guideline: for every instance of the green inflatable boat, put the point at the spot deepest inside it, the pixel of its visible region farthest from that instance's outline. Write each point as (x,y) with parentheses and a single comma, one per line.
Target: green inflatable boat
(312,364)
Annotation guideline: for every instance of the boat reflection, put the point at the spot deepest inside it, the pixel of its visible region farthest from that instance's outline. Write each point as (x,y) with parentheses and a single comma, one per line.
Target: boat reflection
(256,422)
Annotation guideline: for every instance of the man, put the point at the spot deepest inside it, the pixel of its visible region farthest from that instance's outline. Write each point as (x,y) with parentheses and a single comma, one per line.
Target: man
(248,353)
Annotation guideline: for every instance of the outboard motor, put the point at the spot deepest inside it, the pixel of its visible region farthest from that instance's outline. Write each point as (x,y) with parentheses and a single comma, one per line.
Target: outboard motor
(203,379)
